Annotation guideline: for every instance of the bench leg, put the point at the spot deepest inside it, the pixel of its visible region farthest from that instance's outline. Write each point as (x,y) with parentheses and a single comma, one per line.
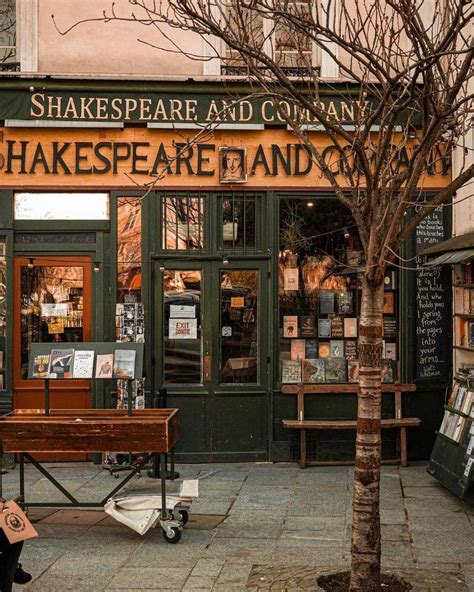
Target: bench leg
(403,447)
(303,449)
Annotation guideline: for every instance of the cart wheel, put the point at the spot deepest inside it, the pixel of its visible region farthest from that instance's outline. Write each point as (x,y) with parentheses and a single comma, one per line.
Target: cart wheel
(184,517)
(116,475)
(173,538)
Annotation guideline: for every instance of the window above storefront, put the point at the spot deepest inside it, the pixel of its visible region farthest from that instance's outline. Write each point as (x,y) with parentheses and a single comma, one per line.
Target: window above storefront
(61,206)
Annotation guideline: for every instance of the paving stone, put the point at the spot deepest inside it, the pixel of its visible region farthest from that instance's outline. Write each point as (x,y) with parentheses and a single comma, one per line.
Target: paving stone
(234,574)
(199,583)
(208,567)
(74,517)
(240,550)
(153,578)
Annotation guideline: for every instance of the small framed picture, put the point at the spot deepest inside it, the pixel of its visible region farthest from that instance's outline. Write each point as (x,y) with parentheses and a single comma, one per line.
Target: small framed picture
(388,303)
(232,164)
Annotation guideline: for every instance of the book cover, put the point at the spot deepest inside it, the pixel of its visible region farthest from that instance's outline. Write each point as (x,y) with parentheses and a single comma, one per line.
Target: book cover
(124,363)
(454,394)
(350,349)
(336,370)
(353,371)
(337,348)
(389,303)
(40,366)
(324,328)
(290,372)
(314,371)
(326,303)
(324,350)
(390,327)
(388,371)
(298,349)
(471,335)
(345,302)
(311,349)
(83,364)
(307,326)
(61,363)
(290,326)
(104,366)
(350,327)
(337,327)
(467,403)
(390,351)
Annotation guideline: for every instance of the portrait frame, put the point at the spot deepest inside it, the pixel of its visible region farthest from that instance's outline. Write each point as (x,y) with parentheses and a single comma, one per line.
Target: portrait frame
(226,175)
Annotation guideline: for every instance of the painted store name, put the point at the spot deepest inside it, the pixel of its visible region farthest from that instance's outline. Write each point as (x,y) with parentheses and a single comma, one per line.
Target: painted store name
(141,158)
(176,110)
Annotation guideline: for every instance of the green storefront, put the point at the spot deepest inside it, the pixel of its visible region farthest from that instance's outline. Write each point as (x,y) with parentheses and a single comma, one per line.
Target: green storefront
(231,259)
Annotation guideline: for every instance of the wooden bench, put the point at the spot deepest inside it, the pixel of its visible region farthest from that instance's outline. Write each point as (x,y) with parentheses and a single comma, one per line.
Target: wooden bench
(398,422)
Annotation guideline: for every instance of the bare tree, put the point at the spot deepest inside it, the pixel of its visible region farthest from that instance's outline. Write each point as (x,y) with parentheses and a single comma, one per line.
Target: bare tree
(410,63)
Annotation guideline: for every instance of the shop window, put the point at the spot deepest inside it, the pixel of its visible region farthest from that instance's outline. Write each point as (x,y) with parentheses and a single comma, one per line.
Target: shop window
(129,249)
(182,222)
(52,307)
(61,206)
(183,356)
(288,46)
(239,326)
(320,295)
(9,60)
(3,311)
(239,221)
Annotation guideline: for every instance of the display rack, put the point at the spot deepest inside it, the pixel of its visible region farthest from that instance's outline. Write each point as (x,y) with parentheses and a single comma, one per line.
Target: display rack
(27,432)
(452,459)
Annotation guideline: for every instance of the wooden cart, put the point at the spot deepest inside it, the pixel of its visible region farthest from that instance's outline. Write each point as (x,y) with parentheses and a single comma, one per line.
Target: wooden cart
(27,432)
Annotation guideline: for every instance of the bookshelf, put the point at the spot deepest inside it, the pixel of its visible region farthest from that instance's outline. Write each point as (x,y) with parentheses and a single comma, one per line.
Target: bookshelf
(452,459)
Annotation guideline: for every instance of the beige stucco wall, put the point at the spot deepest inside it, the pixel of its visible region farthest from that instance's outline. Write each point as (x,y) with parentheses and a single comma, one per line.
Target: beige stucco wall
(108,48)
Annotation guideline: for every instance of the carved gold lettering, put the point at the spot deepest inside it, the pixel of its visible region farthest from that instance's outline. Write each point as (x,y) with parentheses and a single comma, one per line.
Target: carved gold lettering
(213,112)
(191,105)
(70,112)
(130,106)
(116,106)
(37,100)
(265,114)
(86,112)
(145,106)
(54,106)
(160,111)
(102,104)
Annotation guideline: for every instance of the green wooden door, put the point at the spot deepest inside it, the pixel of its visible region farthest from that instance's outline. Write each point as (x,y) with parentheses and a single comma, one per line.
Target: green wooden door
(211,354)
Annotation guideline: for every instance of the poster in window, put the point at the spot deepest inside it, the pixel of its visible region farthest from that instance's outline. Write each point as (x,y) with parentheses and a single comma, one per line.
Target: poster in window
(350,327)
(337,327)
(290,278)
(326,303)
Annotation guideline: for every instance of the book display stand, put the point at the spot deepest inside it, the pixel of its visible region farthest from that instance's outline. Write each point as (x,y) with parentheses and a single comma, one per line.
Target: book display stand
(452,459)
(27,432)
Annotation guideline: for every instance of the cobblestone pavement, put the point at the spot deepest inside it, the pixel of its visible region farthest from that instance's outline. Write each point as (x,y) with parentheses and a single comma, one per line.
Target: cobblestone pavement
(255,527)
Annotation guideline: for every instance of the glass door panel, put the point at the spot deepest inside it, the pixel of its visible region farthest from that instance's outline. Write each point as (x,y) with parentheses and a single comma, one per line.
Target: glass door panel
(52,307)
(183,351)
(239,343)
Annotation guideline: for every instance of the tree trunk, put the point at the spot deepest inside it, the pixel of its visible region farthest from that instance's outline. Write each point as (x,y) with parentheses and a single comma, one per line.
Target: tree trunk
(366,548)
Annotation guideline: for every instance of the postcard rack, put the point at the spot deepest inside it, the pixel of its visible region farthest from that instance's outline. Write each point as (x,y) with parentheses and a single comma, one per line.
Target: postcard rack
(99,348)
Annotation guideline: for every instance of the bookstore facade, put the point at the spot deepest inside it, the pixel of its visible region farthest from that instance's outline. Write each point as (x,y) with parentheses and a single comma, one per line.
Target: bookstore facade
(231,260)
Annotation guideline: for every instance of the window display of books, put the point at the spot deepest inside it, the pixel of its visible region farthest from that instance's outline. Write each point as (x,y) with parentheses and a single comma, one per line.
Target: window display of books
(319,330)
(79,364)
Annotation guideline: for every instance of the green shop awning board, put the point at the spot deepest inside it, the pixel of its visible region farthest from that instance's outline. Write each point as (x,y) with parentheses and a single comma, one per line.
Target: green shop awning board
(459,249)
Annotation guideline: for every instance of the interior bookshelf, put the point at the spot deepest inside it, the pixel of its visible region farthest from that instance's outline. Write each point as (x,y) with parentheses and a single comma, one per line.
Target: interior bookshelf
(463,302)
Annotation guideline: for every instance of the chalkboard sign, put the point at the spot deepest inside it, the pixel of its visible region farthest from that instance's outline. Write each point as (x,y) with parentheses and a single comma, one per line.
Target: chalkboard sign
(432,305)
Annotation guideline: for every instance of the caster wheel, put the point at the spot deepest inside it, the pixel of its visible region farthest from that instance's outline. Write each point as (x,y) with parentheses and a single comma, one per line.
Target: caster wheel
(182,516)
(174,538)
(116,475)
